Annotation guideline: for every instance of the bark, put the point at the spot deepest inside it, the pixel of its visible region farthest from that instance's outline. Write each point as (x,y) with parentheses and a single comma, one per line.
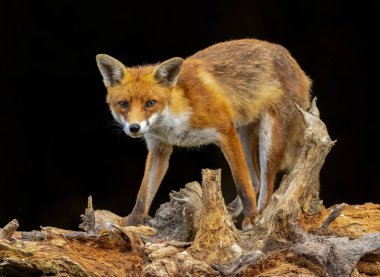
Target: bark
(193,234)
(215,223)
(9,229)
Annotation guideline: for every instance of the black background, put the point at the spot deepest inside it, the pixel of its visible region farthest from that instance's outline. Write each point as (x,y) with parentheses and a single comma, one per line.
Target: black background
(58,142)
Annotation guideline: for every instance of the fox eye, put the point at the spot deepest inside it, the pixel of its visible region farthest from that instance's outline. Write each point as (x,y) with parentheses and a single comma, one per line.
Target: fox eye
(124,104)
(150,103)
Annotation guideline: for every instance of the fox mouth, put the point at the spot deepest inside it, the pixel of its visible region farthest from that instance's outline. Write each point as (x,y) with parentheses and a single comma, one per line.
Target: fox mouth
(135,135)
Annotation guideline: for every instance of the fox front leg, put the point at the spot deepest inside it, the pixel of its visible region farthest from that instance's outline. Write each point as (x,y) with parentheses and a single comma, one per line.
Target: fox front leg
(156,166)
(233,151)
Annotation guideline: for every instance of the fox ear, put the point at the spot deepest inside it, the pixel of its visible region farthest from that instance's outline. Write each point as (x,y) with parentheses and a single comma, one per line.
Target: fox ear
(168,71)
(111,69)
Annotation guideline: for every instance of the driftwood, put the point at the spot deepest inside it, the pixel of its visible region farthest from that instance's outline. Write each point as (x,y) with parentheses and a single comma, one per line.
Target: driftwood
(193,234)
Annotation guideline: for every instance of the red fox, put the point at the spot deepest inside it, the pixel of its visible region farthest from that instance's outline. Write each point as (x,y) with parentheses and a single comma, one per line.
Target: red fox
(240,95)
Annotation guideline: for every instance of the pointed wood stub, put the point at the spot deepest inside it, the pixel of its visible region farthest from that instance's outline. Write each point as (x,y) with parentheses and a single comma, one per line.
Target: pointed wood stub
(9,229)
(215,240)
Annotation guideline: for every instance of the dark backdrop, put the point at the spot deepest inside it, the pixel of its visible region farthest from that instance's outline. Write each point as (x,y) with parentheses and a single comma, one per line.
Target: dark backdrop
(58,143)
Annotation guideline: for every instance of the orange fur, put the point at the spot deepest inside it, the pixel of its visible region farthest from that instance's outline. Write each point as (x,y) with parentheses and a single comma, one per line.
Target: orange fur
(207,99)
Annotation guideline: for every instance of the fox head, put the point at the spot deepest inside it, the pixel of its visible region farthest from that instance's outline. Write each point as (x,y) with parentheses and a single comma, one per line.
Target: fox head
(137,96)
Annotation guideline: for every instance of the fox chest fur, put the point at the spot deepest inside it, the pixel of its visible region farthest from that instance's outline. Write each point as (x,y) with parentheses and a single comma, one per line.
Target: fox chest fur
(176,129)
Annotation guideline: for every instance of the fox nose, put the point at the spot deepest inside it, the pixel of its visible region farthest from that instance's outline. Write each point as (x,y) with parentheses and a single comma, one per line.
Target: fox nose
(134,128)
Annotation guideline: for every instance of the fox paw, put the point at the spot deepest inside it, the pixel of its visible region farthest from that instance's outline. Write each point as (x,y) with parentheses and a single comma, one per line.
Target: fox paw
(249,222)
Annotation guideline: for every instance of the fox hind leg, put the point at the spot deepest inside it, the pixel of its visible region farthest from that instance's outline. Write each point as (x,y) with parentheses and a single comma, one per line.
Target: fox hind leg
(234,153)
(271,153)
(248,139)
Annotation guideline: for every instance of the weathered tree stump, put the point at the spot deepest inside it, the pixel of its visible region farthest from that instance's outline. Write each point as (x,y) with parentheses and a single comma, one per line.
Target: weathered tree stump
(193,234)
(299,191)
(215,223)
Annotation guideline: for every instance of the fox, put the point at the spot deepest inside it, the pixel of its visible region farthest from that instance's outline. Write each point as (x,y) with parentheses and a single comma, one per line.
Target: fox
(240,95)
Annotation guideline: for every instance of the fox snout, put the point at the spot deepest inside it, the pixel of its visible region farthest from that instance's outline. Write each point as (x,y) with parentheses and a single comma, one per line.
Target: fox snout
(138,129)
(134,128)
